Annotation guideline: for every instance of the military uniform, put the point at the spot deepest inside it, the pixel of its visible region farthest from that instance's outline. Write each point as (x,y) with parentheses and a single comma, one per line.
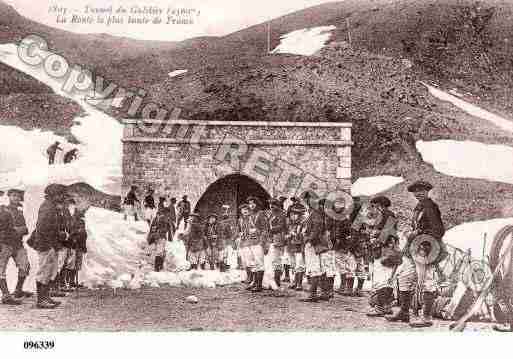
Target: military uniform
(227,233)
(214,242)
(295,247)
(316,248)
(194,240)
(12,230)
(157,238)
(277,230)
(78,240)
(246,236)
(340,237)
(258,244)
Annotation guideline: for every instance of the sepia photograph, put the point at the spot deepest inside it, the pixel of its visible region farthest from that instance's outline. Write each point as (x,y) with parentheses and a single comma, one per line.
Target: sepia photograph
(302,166)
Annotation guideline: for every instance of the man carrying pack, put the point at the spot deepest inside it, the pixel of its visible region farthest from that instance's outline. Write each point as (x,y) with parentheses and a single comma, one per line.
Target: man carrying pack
(51,151)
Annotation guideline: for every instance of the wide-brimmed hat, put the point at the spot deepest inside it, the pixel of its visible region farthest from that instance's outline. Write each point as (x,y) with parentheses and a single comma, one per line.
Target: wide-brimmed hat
(427,243)
(243,206)
(381,201)
(420,186)
(211,215)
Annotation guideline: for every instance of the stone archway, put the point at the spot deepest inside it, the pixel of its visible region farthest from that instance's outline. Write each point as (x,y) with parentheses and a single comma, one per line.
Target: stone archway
(233,190)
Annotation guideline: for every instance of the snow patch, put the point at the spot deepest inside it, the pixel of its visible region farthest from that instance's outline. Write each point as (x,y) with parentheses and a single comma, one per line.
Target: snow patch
(369,186)
(305,41)
(177,73)
(471,109)
(468,159)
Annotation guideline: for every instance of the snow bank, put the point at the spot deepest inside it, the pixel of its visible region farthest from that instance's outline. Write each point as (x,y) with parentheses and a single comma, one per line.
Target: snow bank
(177,73)
(305,41)
(470,108)
(469,159)
(99,134)
(369,186)
(470,235)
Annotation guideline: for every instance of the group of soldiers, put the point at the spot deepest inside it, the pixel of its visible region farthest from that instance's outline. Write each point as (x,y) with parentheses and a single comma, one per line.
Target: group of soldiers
(59,238)
(356,244)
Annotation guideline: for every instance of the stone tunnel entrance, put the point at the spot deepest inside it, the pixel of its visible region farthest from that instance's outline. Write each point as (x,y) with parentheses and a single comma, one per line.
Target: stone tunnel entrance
(232,190)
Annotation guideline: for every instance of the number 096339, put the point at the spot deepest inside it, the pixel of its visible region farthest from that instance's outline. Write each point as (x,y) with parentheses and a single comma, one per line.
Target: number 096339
(38,345)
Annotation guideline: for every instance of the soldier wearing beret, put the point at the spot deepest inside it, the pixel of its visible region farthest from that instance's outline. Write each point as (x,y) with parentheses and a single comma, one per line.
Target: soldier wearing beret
(12,230)
(426,220)
(277,231)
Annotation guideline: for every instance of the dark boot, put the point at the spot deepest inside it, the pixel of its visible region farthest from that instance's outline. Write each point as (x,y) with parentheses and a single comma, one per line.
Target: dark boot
(42,300)
(259,278)
(286,268)
(403,315)
(359,287)
(343,283)
(299,285)
(253,282)
(349,287)
(194,266)
(6,296)
(212,266)
(19,292)
(202,266)
(46,295)
(324,284)
(249,276)
(313,290)
(426,319)
(277,277)
(295,283)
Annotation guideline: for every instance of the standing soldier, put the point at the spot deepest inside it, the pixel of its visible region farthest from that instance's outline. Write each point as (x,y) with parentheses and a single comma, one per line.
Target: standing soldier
(130,202)
(227,233)
(277,231)
(149,205)
(47,235)
(157,237)
(426,220)
(184,210)
(258,240)
(78,238)
(316,247)
(244,242)
(295,245)
(330,266)
(339,229)
(383,241)
(195,242)
(212,240)
(172,218)
(12,231)
(51,151)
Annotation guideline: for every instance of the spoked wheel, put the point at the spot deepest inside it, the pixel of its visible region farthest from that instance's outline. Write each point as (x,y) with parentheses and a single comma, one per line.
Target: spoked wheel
(502,286)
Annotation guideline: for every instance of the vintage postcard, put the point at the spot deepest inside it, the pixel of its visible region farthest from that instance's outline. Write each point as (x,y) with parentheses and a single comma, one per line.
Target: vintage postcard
(290,166)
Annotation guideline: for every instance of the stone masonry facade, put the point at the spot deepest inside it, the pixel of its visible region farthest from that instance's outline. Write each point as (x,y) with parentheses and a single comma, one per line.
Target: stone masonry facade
(285,158)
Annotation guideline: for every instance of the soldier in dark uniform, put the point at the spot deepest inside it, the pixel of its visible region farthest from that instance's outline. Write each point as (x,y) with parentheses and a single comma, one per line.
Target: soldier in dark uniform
(258,241)
(51,151)
(227,231)
(12,230)
(213,240)
(277,230)
(426,219)
(295,245)
(158,236)
(194,240)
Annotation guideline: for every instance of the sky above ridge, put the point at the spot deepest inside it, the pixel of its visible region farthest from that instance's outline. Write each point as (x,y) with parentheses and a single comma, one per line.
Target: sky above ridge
(210,17)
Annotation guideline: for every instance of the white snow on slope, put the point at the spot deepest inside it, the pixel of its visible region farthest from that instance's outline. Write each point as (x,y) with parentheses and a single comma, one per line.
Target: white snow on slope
(469,159)
(99,134)
(177,73)
(471,109)
(305,41)
(369,186)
